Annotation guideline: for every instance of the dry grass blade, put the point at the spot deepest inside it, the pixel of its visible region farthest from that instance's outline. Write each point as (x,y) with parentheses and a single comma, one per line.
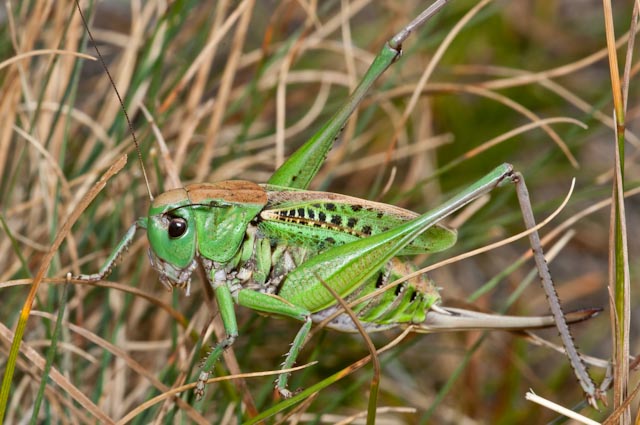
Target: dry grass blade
(554,87)
(206,53)
(32,53)
(568,69)
(221,105)
(37,360)
(626,77)
(619,411)
(62,234)
(417,92)
(620,284)
(480,91)
(135,366)
(375,380)
(531,396)
(592,361)
(173,392)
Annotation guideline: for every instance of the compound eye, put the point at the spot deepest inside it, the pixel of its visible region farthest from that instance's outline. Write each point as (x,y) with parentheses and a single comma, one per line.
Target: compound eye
(177,227)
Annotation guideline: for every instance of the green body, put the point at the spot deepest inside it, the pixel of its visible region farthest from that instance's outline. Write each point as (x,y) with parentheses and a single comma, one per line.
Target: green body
(275,249)
(264,238)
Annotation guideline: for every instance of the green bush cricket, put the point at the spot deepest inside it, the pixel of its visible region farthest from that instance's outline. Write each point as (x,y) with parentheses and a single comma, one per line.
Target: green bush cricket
(273,247)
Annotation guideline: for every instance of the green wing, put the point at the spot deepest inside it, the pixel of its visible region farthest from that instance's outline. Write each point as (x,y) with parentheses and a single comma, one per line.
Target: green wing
(320,220)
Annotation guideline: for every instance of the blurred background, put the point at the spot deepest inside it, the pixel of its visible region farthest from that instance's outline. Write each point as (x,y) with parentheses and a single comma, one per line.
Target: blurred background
(232,88)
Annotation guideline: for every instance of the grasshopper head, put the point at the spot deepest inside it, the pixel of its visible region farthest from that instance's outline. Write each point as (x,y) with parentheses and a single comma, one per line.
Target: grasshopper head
(207,220)
(172,238)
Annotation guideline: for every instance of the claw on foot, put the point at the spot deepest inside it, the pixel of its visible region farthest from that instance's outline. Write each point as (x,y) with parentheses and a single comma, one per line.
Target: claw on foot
(284,393)
(200,385)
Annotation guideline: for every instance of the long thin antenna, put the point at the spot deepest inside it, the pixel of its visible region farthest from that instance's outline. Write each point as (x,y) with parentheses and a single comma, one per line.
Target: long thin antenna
(124,110)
